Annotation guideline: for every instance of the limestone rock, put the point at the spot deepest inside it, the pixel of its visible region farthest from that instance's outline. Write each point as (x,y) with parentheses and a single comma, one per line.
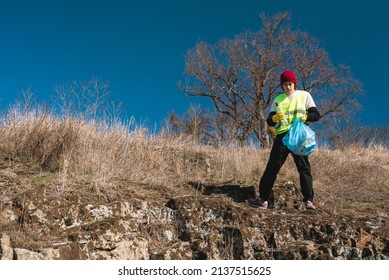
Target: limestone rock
(5,248)
(211,222)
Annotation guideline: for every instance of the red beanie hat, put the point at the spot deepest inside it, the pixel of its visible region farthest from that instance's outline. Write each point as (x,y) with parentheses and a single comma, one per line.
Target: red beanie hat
(288,76)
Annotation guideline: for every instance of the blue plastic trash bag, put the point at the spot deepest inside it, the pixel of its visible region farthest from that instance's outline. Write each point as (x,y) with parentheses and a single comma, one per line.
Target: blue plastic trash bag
(300,139)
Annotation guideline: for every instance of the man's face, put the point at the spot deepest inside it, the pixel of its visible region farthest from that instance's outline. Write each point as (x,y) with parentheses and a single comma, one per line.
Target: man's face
(288,87)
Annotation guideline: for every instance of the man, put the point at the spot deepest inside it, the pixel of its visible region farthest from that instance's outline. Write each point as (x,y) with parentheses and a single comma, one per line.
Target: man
(285,108)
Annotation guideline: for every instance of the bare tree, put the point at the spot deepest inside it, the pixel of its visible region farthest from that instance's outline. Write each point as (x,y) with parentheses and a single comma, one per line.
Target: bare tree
(193,123)
(346,133)
(87,99)
(334,87)
(241,75)
(203,125)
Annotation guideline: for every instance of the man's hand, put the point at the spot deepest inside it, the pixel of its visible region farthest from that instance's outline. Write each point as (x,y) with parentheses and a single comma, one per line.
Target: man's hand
(279,116)
(304,118)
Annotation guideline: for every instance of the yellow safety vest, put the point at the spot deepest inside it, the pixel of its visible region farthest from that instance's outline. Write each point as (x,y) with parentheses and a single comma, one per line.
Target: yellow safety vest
(292,109)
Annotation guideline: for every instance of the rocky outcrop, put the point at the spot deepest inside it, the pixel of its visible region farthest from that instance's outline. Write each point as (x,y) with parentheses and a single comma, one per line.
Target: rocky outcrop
(221,228)
(5,248)
(212,222)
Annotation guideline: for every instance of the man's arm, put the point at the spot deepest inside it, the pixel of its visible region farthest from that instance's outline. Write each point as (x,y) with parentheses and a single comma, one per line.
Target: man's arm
(269,119)
(313,114)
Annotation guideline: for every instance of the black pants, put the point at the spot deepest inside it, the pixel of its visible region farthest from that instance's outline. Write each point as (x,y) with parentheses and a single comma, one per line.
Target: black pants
(278,155)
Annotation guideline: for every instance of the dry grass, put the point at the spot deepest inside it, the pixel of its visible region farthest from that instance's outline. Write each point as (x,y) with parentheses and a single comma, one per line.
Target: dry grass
(110,162)
(355,176)
(101,153)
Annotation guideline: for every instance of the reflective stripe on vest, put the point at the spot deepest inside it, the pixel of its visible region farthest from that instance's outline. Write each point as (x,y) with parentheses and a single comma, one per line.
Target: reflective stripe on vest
(292,109)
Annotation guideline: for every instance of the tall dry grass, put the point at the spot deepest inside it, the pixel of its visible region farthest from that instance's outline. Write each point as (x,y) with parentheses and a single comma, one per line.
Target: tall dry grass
(101,151)
(104,153)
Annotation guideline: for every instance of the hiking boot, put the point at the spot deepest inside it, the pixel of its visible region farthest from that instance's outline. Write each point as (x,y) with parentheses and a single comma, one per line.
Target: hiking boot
(257,202)
(309,205)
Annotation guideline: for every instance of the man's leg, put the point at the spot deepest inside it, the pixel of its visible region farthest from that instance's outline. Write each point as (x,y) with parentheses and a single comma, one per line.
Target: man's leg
(304,169)
(278,155)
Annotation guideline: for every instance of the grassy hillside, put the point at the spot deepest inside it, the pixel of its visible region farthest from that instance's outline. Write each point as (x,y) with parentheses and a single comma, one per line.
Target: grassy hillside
(100,153)
(71,163)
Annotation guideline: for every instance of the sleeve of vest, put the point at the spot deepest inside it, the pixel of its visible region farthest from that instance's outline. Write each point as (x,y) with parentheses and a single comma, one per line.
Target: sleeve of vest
(269,119)
(313,115)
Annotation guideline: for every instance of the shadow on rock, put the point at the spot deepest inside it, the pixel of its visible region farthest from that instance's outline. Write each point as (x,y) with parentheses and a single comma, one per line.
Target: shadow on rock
(238,193)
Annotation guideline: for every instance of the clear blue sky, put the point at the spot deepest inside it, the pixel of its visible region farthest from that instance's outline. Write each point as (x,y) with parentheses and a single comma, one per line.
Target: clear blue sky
(139,46)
